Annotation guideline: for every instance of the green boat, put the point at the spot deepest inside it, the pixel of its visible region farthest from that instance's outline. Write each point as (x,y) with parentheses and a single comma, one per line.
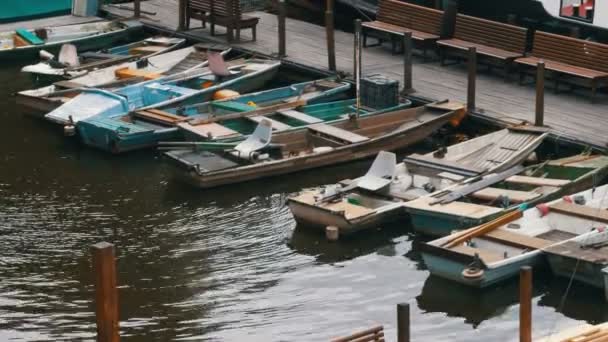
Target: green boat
(11,10)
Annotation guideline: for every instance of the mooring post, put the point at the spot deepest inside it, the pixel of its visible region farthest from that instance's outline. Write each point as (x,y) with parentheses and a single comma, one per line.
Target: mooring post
(540,94)
(407,63)
(106,294)
(472,61)
(137,8)
(525,304)
(403,322)
(182,15)
(357,66)
(281,16)
(329,32)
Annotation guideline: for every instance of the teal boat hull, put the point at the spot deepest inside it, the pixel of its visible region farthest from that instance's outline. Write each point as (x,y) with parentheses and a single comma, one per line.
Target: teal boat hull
(439,224)
(28,9)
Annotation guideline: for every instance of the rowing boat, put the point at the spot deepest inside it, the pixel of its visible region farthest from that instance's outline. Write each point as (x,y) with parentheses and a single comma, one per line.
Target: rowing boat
(313,146)
(48,98)
(141,129)
(69,66)
(494,251)
(191,86)
(26,44)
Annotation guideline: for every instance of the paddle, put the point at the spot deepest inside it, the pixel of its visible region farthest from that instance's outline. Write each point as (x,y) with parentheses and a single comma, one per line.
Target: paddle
(483,228)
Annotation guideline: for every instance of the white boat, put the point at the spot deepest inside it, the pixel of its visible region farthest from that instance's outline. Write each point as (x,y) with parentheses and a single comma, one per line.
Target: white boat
(52,96)
(492,252)
(70,65)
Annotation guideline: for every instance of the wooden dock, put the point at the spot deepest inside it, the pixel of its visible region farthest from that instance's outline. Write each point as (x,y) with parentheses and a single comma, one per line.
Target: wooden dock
(571,116)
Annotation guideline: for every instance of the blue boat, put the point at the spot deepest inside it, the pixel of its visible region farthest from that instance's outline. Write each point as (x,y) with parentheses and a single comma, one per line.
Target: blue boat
(142,129)
(188,87)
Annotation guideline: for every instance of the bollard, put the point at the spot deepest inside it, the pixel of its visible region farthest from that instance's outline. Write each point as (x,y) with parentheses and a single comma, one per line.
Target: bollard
(329,32)
(182,16)
(332,233)
(281,16)
(106,294)
(403,322)
(137,8)
(472,64)
(407,63)
(540,94)
(525,304)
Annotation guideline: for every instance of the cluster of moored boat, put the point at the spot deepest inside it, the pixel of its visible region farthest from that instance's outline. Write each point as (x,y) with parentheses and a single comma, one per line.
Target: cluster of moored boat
(219,123)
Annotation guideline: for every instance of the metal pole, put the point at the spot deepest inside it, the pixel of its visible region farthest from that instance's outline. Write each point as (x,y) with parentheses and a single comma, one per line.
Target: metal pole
(472,63)
(525,304)
(540,94)
(403,322)
(329,32)
(358,63)
(137,8)
(407,63)
(106,294)
(282,12)
(182,15)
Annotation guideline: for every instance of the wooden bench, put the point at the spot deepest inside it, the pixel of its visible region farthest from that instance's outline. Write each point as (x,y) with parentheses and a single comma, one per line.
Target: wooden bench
(566,56)
(225,13)
(336,133)
(395,18)
(375,334)
(496,41)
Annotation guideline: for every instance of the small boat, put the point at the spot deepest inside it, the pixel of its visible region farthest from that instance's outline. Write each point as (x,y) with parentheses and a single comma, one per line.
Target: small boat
(580,333)
(494,251)
(47,98)
(141,129)
(265,154)
(188,87)
(70,65)
(475,202)
(25,44)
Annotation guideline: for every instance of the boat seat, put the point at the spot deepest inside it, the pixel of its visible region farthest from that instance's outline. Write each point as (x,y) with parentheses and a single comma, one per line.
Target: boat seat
(256,141)
(351,211)
(485,255)
(276,125)
(68,85)
(29,36)
(233,106)
(381,173)
(145,50)
(516,196)
(516,239)
(100,55)
(446,165)
(537,181)
(160,116)
(130,73)
(211,130)
(337,133)
(596,214)
(303,117)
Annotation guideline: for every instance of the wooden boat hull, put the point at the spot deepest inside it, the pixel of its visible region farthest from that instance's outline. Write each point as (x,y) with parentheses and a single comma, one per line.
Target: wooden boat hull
(586,272)
(342,154)
(131,31)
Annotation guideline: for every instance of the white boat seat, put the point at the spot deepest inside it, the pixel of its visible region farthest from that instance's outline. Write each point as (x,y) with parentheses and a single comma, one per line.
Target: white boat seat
(337,133)
(381,173)
(294,114)
(276,125)
(217,65)
(256,141)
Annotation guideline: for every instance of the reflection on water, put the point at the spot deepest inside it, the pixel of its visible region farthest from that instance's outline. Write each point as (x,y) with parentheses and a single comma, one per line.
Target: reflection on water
(223,264)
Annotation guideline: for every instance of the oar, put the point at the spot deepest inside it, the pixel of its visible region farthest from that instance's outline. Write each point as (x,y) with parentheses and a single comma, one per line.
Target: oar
(262,111)
(483,228)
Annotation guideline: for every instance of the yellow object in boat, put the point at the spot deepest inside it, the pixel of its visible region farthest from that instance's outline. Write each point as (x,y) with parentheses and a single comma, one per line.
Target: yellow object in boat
(129,73)
(206,84)
(458,117)
(252,104)
(225,94)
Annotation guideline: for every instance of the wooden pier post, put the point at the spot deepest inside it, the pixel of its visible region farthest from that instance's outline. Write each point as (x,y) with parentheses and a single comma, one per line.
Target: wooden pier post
(182,15)
(106,294)
(403,322)
(407,64)
(525,304)
(540,94)
(472,64)
(281,16)
(137,8)
(329,32)
(358,62)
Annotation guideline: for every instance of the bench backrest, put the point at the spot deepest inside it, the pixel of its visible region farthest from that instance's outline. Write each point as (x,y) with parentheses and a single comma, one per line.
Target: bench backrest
(491,33)
(408,15)
(568,50)
(222,8)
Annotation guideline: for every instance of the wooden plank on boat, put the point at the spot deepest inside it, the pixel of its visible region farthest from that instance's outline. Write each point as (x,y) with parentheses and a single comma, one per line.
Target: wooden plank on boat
(337,133)
(454,167)
(210,131)
(595,214)
(262,111)
(485,255)
(516,196)
(350,211)
(145,49)
(517,239)
(160,116)
(537,181)
(294,114)
(572,249)
(68,85)
(276,125)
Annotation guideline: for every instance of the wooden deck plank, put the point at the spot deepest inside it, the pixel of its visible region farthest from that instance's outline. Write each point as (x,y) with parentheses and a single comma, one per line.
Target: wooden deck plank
(571,115)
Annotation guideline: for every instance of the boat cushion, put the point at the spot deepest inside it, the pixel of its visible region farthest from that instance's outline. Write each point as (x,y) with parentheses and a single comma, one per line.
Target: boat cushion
(29,37)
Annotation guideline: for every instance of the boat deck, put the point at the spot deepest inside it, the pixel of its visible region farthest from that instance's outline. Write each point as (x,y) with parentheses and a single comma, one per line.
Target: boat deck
(570,115)
(44,22)
(571,249)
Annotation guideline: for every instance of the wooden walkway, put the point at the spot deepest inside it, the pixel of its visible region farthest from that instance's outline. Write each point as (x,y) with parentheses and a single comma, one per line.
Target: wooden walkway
(571,115)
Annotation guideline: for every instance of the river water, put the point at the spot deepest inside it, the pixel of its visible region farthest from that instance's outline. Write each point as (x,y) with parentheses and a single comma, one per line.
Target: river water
(219,265)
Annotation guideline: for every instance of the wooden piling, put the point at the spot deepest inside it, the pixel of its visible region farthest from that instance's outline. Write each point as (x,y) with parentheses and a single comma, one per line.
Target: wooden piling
(540,94)
(106,294)
(329,32)
(182,15)
(472,66)
(357,66)
(137,8)
(525,304)
(403,322)
(407,63)
(282,12)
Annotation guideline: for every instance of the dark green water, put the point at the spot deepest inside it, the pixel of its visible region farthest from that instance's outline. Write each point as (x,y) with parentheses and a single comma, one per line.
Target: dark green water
(221,265)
